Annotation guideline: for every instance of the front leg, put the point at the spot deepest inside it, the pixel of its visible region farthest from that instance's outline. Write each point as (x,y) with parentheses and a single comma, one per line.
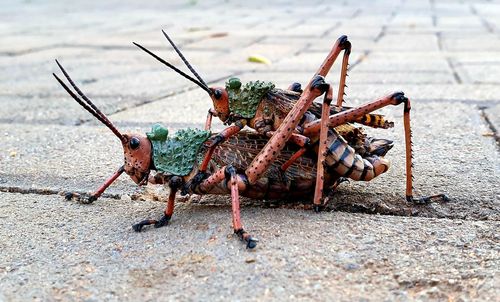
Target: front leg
(175,183)
(235,184)
(87,199)
(208,122)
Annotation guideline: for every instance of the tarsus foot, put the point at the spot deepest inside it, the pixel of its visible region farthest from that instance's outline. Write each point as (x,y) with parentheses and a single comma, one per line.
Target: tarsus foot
(162,222)
(296,87)
(84,198)
(244,236)
(138,226)
(317,208)
(428,199)
(157,223)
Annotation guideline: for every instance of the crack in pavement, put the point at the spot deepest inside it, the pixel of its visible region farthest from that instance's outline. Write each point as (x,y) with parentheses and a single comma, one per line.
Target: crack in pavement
(46,191)
(372,208)
(490,125)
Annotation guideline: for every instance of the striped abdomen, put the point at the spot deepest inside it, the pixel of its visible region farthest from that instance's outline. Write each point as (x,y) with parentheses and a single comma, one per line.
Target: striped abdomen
(343,160)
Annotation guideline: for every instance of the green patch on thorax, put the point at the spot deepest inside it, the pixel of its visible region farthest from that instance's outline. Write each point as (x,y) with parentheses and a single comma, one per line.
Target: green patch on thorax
(244,101)
(176,155)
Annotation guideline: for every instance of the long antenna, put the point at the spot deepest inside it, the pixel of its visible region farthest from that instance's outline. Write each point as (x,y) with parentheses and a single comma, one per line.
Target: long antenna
(202,86)
(104,117)
(183,58)
(90,107)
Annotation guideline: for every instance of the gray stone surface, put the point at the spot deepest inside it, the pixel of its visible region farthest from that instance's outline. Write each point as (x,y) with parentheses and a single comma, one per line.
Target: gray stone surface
(76,252)
(493,115)
(444,55)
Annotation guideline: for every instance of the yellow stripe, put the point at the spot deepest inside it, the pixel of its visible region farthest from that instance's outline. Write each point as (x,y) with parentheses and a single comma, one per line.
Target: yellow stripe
(368,118)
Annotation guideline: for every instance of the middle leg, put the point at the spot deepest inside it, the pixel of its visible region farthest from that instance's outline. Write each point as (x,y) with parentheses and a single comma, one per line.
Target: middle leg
(175,183)
(299,140)
(236,183)
(217,139)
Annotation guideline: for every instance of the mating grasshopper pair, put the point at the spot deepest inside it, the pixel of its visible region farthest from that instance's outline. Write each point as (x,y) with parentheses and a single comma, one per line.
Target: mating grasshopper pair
(298,148)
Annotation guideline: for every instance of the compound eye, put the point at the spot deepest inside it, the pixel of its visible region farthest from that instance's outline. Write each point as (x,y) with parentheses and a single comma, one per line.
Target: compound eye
(134,143)
(217,94)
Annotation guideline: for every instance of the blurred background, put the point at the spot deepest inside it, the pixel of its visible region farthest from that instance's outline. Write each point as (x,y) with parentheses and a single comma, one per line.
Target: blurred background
(444,50)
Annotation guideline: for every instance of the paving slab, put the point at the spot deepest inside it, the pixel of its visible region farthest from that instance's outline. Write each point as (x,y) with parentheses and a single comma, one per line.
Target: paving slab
(493,115)
(308,62)
(383,61)
(60,158)
(412,19)
(58,109)
(103,72)
(395,42)
(466,93)
(480,73)
(471,43)
(356,30)
(89,252)
(359,44)
(403,77)
(442,54)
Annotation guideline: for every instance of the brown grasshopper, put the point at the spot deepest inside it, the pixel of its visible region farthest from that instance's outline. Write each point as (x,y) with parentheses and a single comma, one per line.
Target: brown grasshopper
(291,115)
(176,161)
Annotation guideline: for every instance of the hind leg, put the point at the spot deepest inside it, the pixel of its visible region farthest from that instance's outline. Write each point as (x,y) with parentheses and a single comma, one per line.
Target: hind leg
(352,114)
(316,87)
(320,166)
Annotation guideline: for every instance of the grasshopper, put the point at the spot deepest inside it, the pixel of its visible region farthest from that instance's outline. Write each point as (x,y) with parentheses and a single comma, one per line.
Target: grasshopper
(291,115)
(176,162)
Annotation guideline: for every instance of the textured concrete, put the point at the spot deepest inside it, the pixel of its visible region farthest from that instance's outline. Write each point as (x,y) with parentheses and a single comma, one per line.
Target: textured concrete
(66,255)
(443,54)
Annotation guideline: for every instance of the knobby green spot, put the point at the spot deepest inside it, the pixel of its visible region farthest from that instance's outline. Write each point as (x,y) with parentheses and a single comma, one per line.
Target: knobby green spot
(158,132)
(176,155)
(233,83)
(244,101)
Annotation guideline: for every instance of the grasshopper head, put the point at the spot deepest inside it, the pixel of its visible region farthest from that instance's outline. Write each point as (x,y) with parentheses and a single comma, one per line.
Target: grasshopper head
(220,98)
(137,155)
(218,95)
(136,147)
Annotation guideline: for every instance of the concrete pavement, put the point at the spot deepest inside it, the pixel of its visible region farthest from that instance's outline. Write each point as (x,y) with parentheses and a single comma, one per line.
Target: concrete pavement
(443,55)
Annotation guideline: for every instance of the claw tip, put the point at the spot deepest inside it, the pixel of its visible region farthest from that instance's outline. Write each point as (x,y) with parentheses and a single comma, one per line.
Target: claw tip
(252,243)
